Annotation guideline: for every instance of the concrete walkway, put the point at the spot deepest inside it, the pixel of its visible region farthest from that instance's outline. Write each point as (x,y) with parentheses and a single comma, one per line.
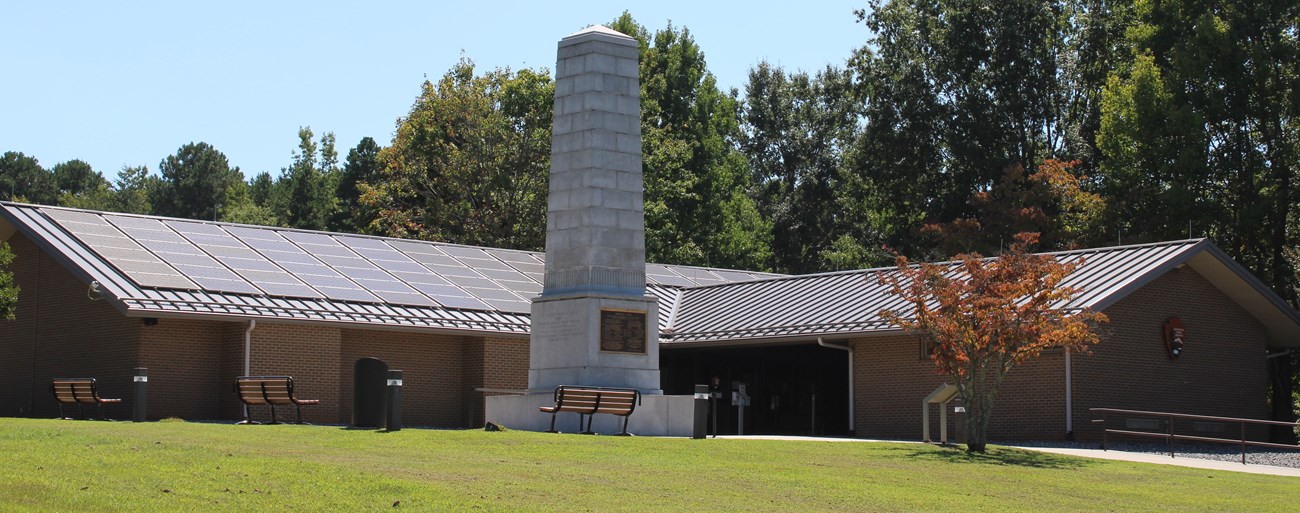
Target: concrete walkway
(1138,457)
(1164,459)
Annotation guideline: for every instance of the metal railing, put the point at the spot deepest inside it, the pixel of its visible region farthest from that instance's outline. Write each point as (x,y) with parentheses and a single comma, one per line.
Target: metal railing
(1170,436)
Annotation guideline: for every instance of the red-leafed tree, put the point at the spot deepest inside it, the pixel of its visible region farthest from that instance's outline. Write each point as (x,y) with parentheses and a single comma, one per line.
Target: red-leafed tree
(986,315)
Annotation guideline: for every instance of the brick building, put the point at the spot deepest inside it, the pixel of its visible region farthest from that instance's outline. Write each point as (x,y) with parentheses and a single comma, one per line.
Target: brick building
(104,293)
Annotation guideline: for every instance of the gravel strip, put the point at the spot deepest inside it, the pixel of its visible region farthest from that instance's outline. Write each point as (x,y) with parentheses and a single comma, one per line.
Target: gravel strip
(1220,452)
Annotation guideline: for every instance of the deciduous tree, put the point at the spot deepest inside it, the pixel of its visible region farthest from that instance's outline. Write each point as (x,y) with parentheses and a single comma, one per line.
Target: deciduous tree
(8,289)
(468,164)
(796,129)
(986,316)
(697,204)
(1050,201)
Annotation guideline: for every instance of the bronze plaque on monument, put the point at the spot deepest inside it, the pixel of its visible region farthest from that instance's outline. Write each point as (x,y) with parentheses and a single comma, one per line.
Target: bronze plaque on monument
(622,331)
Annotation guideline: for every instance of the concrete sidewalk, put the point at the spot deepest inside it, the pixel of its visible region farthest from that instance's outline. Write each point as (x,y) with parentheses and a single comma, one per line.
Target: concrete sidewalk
(1138,457)
(1164,459)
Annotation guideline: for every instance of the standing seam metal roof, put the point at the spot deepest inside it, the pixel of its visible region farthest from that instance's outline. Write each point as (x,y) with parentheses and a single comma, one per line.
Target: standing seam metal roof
(850,302)
(696,305)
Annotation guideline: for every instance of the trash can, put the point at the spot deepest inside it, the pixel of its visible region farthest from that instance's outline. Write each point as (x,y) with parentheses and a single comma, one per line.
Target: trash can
(369,386)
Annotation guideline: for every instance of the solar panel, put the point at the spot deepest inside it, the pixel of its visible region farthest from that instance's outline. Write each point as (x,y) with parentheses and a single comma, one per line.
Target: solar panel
(438,292)
(449,271)
(303,266)
(137,263)
(525,289)
(506,275)
(484,263)
(510,306)
(184,256)
(287,289)
(463,302)
(494,293)
(430,259)
(465,252)
(671,280)
(512,256)
(410,247)
(412,298)
(473,282)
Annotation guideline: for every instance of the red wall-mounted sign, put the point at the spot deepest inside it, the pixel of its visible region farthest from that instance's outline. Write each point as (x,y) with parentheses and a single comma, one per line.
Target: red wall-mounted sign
(1175,337)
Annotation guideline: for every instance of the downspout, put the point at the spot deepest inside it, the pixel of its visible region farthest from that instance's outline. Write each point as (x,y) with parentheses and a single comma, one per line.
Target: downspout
(248,344)
(1069,399)
(849,349)
(248,351)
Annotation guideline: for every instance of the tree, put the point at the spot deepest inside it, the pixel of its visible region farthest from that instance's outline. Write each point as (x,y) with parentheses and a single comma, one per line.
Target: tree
(954,92)
(77,177)
(795,132)
(986,316)
(469,163)
(133,190)
(307,183)
(8,289)
(1050,201)
(196,181)
(23,179)
(697,204)
(362,167)
(80,186)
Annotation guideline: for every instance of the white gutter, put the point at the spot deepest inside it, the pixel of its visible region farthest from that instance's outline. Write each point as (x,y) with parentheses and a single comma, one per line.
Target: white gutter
(1069,397)
(248,344)
(248,351)
(849,349)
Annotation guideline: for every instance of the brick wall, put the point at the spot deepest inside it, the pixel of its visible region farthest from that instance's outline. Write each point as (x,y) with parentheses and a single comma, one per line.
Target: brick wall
(60,332)
(891,379)
(184,380)
(433,388)
(1221,371)
(308,353)
(500,363)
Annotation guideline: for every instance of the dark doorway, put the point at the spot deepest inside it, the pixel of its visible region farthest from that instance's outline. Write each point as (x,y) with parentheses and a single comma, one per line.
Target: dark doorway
(793,390)
(369,379)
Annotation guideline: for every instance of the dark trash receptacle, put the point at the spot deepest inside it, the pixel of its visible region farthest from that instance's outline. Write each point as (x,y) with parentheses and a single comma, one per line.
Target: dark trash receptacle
(369,384)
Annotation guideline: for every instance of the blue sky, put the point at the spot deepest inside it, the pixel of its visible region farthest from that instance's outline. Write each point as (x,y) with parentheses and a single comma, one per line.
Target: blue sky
(128,84)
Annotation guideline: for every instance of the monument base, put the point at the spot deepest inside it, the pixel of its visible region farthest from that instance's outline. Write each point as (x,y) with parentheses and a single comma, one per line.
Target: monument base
(657,415)
(594,341)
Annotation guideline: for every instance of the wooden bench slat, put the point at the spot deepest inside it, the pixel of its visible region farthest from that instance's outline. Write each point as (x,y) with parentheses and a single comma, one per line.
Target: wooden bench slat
(270,390)
(592,400)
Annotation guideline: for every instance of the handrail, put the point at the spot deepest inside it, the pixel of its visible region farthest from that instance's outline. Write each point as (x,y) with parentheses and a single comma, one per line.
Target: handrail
(1170,436)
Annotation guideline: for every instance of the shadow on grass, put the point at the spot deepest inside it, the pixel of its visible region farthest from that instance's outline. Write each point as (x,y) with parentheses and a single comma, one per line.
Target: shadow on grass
(999,456)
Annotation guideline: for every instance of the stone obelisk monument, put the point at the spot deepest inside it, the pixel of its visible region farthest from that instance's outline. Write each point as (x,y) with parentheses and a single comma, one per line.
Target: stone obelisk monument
(593,324)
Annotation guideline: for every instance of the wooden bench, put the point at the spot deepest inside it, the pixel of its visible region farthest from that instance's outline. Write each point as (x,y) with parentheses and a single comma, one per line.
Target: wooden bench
(78,391)
(269,390)
(588,401)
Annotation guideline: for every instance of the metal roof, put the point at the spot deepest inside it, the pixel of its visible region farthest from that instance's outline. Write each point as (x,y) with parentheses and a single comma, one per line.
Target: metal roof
(152,266)
(849,303)
(160,266)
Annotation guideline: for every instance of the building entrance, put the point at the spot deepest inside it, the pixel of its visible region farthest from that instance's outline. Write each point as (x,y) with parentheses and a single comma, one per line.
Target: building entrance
(791,390)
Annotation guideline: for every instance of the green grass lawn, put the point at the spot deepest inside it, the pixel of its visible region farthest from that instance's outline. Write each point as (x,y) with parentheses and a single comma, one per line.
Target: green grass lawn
(52,465)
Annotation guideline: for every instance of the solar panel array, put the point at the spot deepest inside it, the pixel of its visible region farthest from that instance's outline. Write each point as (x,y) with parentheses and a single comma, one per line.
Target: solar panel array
(195,255)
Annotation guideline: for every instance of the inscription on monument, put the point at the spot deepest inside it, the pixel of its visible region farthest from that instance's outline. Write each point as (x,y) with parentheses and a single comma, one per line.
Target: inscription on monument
(622,331)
